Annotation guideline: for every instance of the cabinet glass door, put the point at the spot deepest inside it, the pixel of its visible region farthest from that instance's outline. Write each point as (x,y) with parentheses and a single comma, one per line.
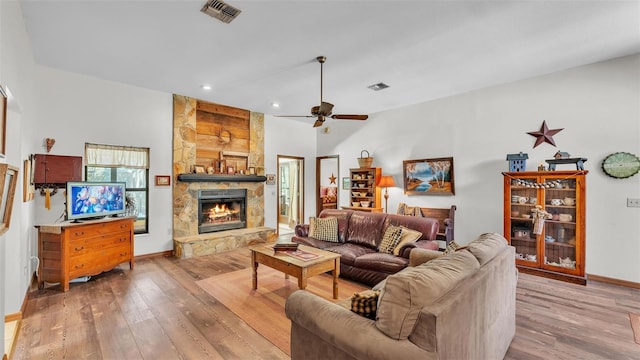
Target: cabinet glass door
(560,231)
(522,200)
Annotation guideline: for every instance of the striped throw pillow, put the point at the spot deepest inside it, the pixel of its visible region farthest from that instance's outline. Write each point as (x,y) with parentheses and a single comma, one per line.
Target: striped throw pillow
(390,239)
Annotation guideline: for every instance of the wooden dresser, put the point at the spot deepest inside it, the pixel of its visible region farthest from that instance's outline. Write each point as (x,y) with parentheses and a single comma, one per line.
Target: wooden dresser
(71,250)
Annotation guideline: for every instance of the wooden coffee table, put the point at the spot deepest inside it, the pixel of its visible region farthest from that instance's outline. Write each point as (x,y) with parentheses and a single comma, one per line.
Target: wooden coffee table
(289,265)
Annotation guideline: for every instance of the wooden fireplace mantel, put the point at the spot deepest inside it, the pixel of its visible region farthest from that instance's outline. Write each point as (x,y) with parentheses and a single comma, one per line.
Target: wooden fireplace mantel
(220,178)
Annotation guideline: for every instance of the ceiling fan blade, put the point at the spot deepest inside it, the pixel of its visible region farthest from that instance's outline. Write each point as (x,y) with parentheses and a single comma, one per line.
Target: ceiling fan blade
(325,108)
(349,117)
(291,116)
(319,121)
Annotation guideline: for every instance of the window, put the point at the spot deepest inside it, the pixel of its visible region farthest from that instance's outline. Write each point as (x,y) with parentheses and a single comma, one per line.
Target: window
(127,164)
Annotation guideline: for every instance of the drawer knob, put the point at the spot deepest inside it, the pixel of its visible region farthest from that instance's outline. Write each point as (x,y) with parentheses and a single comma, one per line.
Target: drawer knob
(79,266)
(79,233)
(79,248)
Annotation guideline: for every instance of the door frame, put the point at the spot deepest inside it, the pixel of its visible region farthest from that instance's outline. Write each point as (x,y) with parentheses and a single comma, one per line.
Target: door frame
(319,177)
(301,189)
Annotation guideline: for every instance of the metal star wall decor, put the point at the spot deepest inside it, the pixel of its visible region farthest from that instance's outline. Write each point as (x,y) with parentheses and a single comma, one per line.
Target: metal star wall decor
(544,134)
(332,179)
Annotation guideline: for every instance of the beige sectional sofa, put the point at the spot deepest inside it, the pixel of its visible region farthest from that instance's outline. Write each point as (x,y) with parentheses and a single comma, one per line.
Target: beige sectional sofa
(456,306)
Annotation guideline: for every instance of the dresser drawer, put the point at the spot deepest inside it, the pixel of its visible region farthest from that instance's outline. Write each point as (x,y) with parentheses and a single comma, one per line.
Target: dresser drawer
(81,246)
(79,232)
(98,261)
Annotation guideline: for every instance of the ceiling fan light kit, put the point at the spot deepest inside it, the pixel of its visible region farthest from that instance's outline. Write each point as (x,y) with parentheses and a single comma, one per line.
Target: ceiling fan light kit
(324,110)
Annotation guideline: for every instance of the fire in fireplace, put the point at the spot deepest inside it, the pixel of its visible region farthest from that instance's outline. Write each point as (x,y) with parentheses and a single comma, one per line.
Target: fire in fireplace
(220,210)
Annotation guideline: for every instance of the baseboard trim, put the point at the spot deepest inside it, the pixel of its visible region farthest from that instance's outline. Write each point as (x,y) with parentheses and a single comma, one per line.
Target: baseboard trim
(147,256)
(613,281)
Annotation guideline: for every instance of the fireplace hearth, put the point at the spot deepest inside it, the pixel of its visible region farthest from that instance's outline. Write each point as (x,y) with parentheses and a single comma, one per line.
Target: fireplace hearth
(220,210)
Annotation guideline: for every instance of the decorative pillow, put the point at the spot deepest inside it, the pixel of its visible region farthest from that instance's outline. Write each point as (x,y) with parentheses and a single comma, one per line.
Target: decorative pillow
(453,247)
(390,239)
(324,228)
(365,303)
(406,236)
(404,209)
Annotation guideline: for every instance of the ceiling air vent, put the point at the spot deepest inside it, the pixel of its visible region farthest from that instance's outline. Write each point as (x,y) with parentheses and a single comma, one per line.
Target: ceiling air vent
(378,86)
(220,10)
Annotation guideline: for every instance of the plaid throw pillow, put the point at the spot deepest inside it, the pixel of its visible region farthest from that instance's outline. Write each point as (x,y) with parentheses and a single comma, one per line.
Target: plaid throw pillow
(390,239)
(324,228)
(453,247)
(365,303)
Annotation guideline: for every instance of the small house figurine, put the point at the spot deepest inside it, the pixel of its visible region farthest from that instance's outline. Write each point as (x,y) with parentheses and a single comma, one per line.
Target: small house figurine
(517,162)
(562,155)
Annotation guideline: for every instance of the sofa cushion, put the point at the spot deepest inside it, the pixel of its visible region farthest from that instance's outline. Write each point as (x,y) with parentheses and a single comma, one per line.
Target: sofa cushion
(365,229)
(309,241)
(324,228)
(390,239)
(406,236)
(350,252)
(343,220)
(487,246)
(406,292)
(388,263)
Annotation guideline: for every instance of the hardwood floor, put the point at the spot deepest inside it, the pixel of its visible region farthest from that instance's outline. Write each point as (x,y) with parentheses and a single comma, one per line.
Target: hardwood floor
(158,312)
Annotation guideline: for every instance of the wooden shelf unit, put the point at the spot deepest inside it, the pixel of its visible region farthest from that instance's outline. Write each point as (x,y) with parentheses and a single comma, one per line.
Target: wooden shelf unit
(559,251)
(71,250)
(364,187)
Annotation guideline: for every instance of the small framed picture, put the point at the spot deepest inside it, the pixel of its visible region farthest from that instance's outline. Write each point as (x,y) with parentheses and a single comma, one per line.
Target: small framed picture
(346,183)
(163,180)
(199,169)
(252,170)
(230,170)
(271,179)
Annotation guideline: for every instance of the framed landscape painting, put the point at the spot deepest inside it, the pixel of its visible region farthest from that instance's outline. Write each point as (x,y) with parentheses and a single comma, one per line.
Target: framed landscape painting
(428,176)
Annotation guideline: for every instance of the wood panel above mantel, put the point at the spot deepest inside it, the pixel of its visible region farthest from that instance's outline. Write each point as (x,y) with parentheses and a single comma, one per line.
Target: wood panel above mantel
(220,178)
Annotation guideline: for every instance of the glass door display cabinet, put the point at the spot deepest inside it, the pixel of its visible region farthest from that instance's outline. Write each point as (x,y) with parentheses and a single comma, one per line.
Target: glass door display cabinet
(544,219)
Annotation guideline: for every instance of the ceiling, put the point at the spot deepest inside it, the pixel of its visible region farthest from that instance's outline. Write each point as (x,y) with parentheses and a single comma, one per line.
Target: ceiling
(422,49)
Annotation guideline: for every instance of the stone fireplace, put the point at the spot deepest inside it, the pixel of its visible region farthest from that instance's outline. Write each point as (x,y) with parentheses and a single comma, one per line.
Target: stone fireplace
(192,147)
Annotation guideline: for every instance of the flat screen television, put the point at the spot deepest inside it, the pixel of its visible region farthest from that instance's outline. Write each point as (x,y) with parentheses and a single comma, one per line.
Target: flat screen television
(86,200)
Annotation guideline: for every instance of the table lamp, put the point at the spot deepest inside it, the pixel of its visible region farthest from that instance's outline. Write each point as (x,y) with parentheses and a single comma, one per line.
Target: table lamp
(385,182)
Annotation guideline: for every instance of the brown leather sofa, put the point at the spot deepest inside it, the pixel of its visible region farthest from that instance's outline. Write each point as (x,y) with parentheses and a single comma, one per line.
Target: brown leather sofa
(359,236)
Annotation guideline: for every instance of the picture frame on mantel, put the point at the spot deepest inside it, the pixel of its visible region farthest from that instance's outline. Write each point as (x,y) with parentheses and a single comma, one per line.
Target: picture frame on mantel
(428,176)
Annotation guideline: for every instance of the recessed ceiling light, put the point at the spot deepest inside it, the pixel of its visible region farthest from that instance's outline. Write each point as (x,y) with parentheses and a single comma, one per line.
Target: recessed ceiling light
(275,105)
(379,86)
(206,87)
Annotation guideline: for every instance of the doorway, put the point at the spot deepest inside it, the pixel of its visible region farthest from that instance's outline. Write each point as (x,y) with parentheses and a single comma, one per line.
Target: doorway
(327,179)
(290,193)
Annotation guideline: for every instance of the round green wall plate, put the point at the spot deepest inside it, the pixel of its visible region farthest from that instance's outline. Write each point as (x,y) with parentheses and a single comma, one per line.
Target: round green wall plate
(621,165)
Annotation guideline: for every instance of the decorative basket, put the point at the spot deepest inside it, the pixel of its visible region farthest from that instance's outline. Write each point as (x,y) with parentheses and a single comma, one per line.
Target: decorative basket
(365,162)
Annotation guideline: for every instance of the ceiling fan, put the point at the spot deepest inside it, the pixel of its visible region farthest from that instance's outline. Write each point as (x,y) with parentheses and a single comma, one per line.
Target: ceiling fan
(323,111)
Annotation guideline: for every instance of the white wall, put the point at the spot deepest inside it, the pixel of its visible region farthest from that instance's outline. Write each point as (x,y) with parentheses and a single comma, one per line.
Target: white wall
(86,109)
(598,106)
(16,69)
(289,138)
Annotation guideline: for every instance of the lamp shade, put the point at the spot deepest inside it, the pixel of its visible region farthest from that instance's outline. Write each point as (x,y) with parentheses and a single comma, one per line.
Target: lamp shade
(386,181)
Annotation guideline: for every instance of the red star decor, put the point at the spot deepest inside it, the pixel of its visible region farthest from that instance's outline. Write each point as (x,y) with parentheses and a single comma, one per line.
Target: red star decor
(544,135)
